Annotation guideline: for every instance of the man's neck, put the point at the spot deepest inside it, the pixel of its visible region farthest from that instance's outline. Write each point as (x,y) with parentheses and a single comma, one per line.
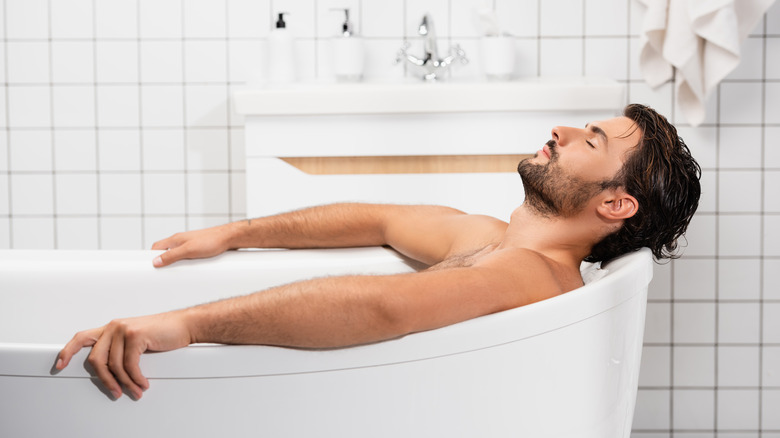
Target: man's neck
(565,240)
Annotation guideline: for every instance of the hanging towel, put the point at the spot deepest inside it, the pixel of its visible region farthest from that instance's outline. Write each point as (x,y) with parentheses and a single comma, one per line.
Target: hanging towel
(701,39)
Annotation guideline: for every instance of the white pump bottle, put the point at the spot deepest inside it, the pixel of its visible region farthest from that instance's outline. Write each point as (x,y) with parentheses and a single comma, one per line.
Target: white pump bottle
(281,53)
(348,56)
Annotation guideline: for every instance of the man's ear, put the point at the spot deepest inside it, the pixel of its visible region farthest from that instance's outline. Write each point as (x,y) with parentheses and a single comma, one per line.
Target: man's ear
(618,205)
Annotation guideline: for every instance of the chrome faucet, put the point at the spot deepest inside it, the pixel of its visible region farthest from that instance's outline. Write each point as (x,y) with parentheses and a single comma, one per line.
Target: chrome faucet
(431,65)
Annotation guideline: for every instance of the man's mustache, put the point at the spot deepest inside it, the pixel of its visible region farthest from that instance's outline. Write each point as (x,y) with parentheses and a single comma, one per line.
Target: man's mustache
(552,145)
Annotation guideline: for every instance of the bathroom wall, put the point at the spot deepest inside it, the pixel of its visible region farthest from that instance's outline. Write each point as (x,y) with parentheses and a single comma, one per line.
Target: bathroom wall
(117,130)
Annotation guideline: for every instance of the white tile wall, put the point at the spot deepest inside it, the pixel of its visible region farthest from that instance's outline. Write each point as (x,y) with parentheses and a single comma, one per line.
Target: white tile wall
(120,194)
(30,151)
(72,19)
(655,367)
(771,277)
(117,131)
(29,106)
(32,232)
(694,366)
(694,323)
(771,366)
(694,279)
(77,232)
(771,242)
(772,102)
(740,280)
(27,19)
(770,407)
(121,232)
(738,366)
(76,194)
(72,61)
(161,105)
(116,61)
(73,106)
(739,323)
(738,409)
(693,409)
(119,150)
(116,19)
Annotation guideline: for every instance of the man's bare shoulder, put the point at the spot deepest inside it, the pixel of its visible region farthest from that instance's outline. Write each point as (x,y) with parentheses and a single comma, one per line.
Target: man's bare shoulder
(529,274)
(466,286)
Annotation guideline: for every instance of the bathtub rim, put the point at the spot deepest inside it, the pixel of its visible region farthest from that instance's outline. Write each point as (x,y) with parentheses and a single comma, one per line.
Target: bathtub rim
(627,279)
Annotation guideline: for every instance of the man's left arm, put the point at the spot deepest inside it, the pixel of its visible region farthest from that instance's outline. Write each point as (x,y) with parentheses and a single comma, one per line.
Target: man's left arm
(326,312)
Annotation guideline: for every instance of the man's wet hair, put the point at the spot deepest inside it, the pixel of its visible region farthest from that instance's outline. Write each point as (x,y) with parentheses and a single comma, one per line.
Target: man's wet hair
(664,178)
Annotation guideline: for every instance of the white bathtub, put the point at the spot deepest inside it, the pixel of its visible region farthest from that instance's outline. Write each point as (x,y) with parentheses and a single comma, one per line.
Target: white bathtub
(564,367)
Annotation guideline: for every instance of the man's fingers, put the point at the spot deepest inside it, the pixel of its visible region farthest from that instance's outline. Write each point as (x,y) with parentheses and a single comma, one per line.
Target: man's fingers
(170,256)
(115,357)
(98,358)
(133,353)
(116,363)
(169,242)
(80,340)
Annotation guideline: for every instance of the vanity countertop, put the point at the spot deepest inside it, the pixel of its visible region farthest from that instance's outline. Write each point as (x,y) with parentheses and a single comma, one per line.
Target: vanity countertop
(530,94)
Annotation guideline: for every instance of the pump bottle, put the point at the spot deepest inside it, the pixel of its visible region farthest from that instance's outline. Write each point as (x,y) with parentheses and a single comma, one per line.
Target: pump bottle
(281,53)
(348,53)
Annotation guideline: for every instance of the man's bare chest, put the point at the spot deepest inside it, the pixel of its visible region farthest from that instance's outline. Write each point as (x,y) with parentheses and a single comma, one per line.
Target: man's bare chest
(463,260)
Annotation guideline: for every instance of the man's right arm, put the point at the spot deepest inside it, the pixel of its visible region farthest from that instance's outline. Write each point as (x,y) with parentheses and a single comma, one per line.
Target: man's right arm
(423,232)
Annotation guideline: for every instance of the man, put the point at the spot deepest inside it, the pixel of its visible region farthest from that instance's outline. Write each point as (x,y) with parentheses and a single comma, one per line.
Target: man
(591,193)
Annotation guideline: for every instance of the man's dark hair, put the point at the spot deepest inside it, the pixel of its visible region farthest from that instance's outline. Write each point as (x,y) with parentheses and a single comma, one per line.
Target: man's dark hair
(664,178)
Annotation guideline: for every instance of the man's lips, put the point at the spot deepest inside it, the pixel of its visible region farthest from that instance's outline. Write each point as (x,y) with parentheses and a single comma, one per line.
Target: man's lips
(546,151)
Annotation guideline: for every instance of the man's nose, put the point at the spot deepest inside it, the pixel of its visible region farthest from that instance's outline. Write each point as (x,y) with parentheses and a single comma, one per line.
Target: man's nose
(559,135)
(563,134)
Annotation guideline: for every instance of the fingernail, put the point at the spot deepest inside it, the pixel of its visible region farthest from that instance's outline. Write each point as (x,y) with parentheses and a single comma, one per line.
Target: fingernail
(59,364)
(157,261)
(116,393)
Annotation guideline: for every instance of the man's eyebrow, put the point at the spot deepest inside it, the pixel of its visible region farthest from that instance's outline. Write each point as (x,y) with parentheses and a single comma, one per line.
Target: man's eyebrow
(600,132)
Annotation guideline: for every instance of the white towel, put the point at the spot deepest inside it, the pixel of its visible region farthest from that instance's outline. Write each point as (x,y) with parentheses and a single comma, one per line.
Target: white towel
(701,39)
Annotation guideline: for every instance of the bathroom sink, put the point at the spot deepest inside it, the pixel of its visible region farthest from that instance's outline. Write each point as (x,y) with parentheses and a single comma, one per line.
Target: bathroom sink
(532,94)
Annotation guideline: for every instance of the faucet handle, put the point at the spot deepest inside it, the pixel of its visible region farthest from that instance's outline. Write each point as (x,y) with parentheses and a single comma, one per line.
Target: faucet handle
(458,53)
(401,54)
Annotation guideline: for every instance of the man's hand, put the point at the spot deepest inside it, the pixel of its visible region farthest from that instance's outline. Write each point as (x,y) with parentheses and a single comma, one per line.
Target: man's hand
(197,244)
(117,348)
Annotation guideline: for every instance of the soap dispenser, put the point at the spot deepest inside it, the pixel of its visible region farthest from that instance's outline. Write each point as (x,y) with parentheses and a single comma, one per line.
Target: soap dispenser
(348,53)
(281,53)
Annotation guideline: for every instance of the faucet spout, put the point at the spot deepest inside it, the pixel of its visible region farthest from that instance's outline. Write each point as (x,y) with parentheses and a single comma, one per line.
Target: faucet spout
(431,65)
(428,32)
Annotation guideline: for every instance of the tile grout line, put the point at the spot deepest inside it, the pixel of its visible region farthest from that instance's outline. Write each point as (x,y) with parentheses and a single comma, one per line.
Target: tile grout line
(96,101)
(50,45)
(584,40)
(716,328)
(185,127)
(672,299)
(762,226)
(7,128)
(539,38)
(228,117)
(141,129)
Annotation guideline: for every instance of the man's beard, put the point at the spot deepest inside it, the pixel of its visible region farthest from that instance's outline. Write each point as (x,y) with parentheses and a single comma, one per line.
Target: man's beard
(550,191)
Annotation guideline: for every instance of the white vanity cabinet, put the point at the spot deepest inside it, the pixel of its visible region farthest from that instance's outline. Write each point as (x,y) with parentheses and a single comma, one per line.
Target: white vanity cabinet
(448,143)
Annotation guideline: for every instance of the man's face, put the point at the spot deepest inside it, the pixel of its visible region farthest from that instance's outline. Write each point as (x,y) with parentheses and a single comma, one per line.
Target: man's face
(576,164)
